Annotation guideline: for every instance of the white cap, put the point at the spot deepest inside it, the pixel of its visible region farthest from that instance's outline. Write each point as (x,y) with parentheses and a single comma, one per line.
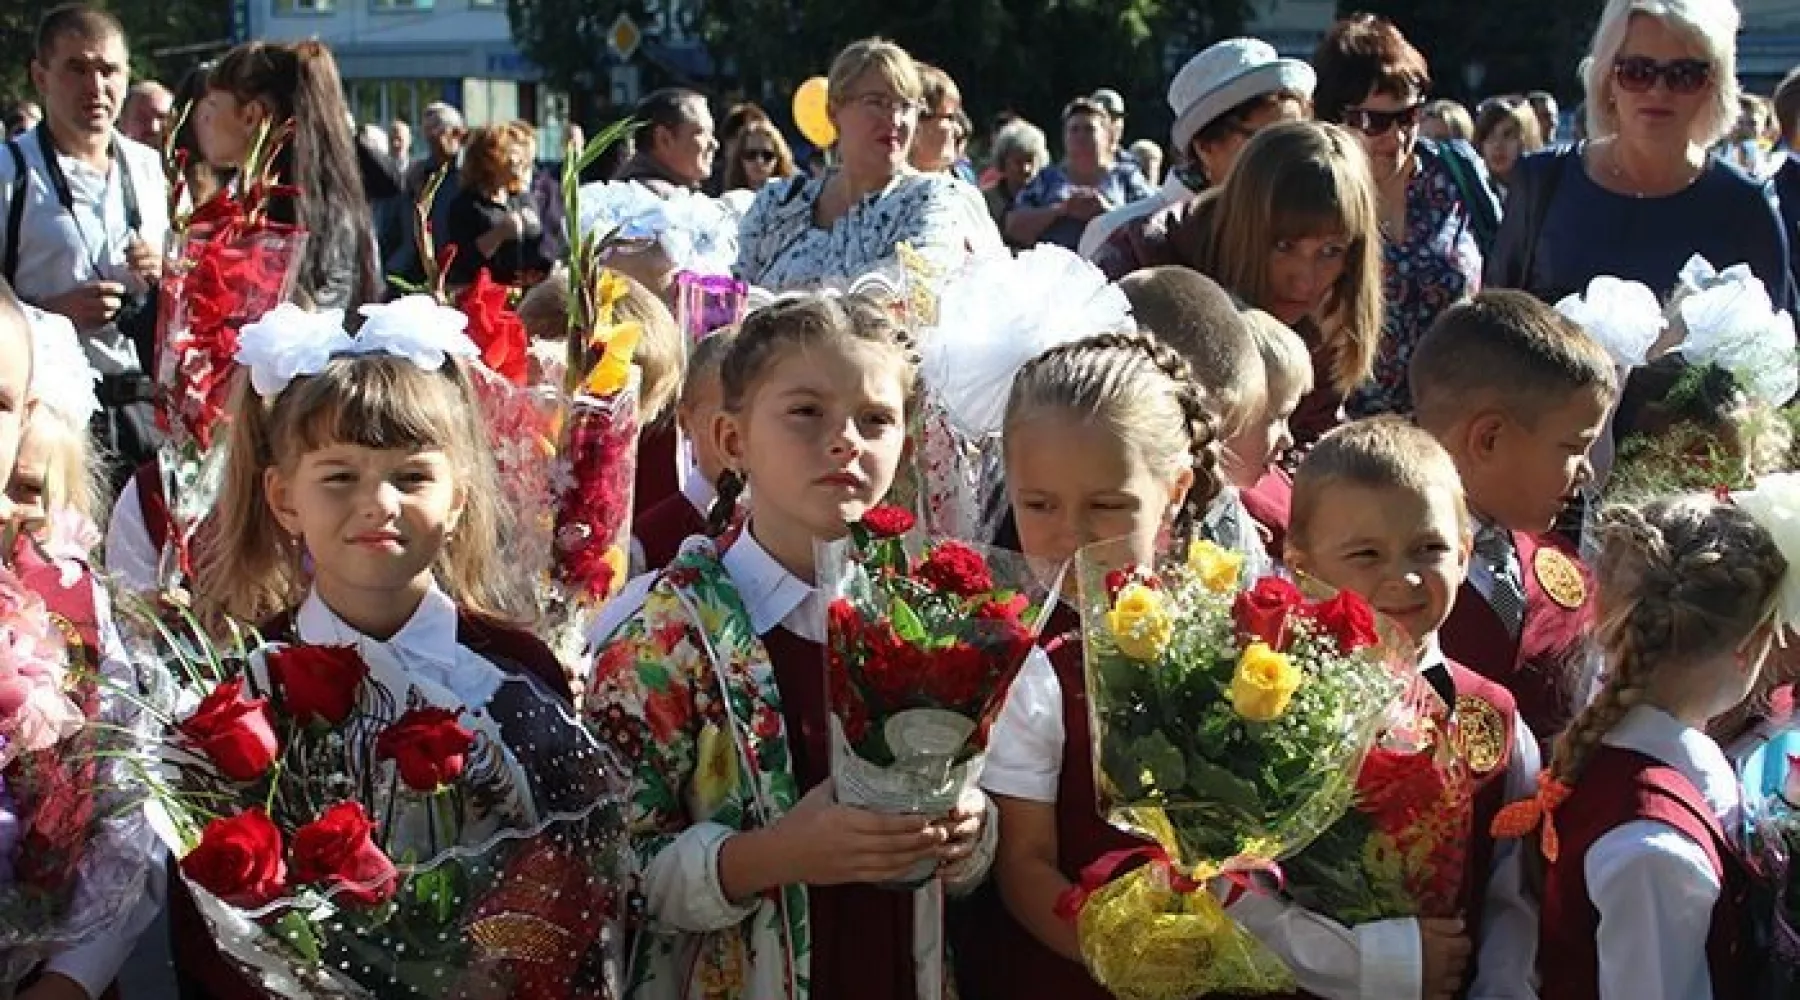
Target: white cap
(1226,75)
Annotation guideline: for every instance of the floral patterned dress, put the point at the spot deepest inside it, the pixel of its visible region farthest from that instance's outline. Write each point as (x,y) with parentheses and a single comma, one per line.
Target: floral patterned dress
(1434,264)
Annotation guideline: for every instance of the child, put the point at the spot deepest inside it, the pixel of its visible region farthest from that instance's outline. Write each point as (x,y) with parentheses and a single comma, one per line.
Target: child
(53,471)
(1105,438)
(658,534)
(1378,511)
(1252,460)
(1518,395)
(360,508)
(709,681)
(1191,313)
(1642,892)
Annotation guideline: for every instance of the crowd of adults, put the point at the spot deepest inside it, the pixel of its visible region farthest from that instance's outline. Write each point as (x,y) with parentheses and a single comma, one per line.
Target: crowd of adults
(1367,207)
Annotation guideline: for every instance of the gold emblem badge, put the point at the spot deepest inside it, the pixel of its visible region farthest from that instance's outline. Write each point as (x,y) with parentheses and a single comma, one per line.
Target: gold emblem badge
(1478,734)
(1560,578)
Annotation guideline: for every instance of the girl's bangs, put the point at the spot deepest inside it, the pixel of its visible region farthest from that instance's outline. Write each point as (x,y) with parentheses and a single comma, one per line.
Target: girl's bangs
(1309,203)
(381,403)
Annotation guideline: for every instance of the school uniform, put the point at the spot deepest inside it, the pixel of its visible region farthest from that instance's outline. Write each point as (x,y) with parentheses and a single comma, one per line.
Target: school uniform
(1645,899)
(1270,503)
(658,466)
(658,533)
(462,658)
(1539,650)
(1040,751)
(708,678)
(1459,869)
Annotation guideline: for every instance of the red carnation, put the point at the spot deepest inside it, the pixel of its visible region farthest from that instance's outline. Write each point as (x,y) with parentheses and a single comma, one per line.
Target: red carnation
(957,569)
(1396,789)
(888,521)
(337,850)
(1261,613)
(495,328)
(1009,610)
(1349,620)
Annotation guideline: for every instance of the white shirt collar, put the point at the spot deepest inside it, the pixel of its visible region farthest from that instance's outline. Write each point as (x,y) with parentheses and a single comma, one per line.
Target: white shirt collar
(694,486)
(772,596)
(425,646)
(1655,733)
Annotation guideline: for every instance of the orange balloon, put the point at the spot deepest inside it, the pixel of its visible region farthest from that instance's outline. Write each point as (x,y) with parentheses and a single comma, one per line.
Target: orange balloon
(813,114)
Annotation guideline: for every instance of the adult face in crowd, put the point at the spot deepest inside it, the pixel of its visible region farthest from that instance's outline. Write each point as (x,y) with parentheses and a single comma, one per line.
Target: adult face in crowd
(1506,132)
(83,78)
(1666,93)
(1088,144)
(759,155)
(1113,103)
(875,96)
(1228,93)
(685,146)
(148,106)
(400,142)
(937,144)
(444,132)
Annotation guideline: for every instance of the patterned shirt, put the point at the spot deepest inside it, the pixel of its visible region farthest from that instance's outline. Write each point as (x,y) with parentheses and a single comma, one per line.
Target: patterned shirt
(1052,186)
(1434,265)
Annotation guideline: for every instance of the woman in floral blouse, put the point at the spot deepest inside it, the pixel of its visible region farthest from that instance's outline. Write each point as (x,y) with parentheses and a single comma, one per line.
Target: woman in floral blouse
(820,232)
(1433,197)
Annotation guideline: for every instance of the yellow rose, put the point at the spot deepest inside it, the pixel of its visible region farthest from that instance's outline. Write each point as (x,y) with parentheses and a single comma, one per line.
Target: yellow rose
(715,770)
(1217,568)
(1139,622)
(1264,683)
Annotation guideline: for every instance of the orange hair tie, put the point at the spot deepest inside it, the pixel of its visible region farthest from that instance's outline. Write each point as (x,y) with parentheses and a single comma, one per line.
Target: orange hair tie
(1526,815)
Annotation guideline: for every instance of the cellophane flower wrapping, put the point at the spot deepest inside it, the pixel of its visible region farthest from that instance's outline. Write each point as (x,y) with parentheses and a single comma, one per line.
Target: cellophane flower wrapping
(597,477)
(1769,839)
(349,828)
(220,274)
(923,639)
(1229,722)
(523,424)
(708,302)
(75,844)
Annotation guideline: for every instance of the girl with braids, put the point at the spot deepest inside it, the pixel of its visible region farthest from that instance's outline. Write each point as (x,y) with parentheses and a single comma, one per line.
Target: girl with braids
(708,680)
(1104,438)
(1642,893)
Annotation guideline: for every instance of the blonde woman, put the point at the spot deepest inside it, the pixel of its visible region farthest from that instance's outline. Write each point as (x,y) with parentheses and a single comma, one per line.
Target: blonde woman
(1642,195)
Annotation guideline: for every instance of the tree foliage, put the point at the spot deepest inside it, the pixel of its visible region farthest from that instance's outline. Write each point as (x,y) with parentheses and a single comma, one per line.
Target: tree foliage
(166,37)
(1520,45)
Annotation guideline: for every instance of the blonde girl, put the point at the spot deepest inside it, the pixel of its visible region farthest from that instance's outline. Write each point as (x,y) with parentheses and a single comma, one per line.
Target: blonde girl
(1641,891)
(708,680)
(54,470)
(1252,460)
(1104,438)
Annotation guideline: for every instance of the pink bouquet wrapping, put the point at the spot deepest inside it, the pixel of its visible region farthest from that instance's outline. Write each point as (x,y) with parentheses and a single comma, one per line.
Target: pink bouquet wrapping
(706,302)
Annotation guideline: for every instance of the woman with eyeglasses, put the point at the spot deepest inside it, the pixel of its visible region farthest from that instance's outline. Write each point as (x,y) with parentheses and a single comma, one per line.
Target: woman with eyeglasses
(1436,209)
(757,155)
(1642,195)
(811,232)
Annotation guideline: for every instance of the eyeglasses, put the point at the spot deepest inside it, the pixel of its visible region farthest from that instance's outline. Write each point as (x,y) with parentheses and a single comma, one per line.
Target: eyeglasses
(1638,74)
(758,155)
(950,120)
(888,105)
(1372,123)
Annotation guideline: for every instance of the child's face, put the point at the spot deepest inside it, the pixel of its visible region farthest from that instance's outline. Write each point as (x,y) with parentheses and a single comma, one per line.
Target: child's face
(1247,455)
(696,417)
(31,471)
(374,520)
(818,442)
(15,387)
(1074,482)
(1402,550)
(1523,476)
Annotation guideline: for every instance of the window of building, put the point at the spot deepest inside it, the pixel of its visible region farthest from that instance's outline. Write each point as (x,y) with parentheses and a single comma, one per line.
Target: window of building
(305,6)
(489,102)
(401,5)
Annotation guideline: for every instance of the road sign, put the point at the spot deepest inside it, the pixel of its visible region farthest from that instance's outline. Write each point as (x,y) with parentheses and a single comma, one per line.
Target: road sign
(623,37)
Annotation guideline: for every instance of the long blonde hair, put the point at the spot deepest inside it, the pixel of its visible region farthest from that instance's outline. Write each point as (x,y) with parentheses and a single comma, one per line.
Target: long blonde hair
(250,569)
(1297,180)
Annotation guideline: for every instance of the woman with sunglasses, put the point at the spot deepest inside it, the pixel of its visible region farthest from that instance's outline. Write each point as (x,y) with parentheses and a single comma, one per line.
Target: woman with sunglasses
(811,232)
(757,155)
(1436,207)
(1642,195)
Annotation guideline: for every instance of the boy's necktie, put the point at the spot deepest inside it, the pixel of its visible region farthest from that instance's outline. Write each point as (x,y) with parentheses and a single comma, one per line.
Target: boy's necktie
(1494,545)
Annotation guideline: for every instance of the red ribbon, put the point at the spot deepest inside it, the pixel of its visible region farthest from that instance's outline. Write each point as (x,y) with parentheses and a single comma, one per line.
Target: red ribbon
(1110,866)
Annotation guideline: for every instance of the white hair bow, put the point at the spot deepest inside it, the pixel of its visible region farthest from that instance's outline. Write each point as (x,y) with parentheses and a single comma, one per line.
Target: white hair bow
(62,380)
(289,342)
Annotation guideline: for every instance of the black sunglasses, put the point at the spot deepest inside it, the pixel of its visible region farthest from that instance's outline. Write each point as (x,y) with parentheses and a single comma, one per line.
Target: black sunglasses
(1373,123)
(1637,74)
(759,155)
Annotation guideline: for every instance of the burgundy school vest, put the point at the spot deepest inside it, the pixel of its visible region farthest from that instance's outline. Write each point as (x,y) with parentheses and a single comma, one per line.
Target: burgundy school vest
(1003,958)
(1617,787)
(1270,502)
(153,506)
(658,478)
(202,970)
(662,529)
(1543,667)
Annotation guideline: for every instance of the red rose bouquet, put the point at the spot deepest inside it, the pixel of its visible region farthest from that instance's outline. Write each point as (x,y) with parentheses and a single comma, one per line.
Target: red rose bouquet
(923,641)
(1228,724)
(350,827)
(227,266)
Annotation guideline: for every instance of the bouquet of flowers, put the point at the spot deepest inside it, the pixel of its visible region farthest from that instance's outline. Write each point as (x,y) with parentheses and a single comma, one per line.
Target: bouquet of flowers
(228,265)
(351,828)
(1228,727)
(1771,841)
(75,846)
(923,641)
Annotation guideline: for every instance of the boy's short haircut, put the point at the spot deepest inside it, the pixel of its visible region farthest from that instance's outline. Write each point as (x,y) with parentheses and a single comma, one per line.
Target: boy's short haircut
(1287,364)
(1378,453)
(704,361)
(1190,312)
(661,352)
(1504,349)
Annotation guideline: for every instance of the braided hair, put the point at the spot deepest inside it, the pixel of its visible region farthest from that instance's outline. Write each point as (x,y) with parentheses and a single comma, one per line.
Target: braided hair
(1681,579)
(1143,391)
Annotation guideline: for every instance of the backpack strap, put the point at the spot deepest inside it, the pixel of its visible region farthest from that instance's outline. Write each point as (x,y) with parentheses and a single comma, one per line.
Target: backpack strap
(15,212)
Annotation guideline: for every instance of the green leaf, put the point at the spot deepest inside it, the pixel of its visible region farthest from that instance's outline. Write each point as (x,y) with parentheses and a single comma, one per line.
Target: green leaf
(1210,782)
(299,934)
(906,622)
(1163,760)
